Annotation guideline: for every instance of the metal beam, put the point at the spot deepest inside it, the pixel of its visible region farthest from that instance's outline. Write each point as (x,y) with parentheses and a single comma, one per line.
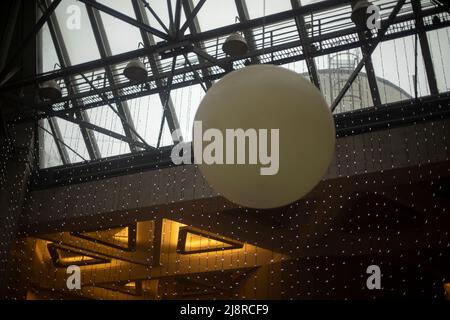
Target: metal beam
(166,100)
(223,31)
(194,28)
(55,131)
(196,75)
(428,61)
(104,131)
(191,16)
(171,24)
(57,137)
(155,15)
(347,35)
(64,61)
(177,17)
(46,107)
(370,71)
(400,113)
(105,100)
(242,10)
(306,45)
(155,65)
(372,48)
(125,18)
(105,51)
(210,58)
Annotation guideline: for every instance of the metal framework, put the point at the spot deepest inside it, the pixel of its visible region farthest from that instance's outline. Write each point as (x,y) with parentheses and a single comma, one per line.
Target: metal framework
(306,45)
(168,107)
(64,61)
(302,33)
(105,51)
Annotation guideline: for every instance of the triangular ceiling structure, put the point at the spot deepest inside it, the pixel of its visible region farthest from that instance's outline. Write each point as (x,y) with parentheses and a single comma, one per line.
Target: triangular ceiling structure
(123,238)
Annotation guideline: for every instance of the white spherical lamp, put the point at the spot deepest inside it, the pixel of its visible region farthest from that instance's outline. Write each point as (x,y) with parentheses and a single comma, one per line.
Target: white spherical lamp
(266,98)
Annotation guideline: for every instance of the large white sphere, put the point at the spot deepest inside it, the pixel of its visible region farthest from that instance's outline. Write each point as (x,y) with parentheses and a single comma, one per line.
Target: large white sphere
(269,97)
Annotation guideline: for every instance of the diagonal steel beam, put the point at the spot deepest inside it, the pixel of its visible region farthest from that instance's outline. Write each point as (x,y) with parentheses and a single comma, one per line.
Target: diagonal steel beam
(57,137)
(375,42)
(191,16)
(166,100)
(123,17)
(64,61)
(104,131)
(155,65)
(54,134)
(105,100)
(370,71)
(155,15)
(194,28)
(424,45)
(203,54)
(171,23)
(60,144)
(306,45)
(177,17)
(164,46)
(242,10)
(105,51)
(54,131)
(196,75)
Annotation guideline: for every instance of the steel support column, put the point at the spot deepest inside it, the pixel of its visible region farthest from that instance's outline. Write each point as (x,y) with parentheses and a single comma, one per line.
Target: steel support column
(64,60)
(105,51)
(155,65)
(306,45)
(242,10)
(194,28)
(426,53)
(371,77)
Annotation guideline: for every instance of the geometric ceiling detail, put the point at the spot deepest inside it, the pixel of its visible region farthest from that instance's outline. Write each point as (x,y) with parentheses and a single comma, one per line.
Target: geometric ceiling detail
(192,240)
(122,238)
(63,257)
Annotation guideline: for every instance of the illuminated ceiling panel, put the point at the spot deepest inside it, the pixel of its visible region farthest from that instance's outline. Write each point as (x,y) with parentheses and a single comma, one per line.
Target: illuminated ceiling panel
(192,240)
(63,257)
(123,238)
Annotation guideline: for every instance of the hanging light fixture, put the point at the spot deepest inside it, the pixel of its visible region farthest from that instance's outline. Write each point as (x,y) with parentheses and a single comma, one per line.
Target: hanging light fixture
(50,90)
(135,70)
(359,14)
(235,45)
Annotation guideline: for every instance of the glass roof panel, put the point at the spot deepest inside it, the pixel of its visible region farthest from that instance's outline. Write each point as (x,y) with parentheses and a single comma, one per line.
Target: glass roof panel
(146,113)
(48,152)
(258,8)
(71,135)
(440,56)
(49,57)
(79,38)
(106,118)
(398,69)
(166,137)
(187,101)
(216,13)
(122,36)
